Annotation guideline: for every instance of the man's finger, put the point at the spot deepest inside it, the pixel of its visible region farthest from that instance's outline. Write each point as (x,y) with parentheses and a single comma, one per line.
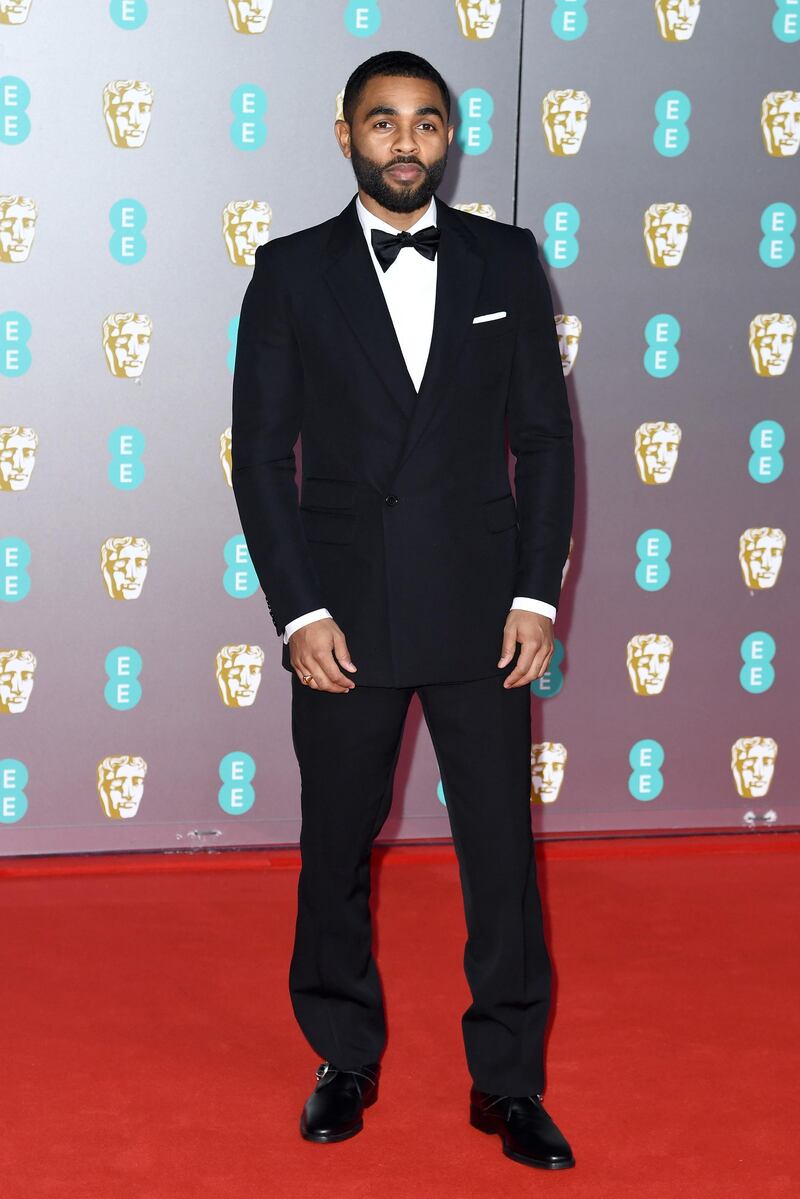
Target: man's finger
(326,667)
(508,646)
(342,652)
(523,663)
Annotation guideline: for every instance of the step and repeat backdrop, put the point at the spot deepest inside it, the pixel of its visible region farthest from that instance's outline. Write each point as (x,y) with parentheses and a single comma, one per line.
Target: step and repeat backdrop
(146,150)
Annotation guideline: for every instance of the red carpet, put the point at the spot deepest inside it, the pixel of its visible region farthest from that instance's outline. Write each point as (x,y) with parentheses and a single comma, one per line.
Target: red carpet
(150,1050)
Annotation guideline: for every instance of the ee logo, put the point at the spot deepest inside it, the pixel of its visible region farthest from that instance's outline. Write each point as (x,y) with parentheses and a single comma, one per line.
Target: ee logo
(236,795)
(778,223)
(13,800)
(248,128)
(240,579)
(646,759)
(766,442)
(362,18)
(123,689)
(653,548)
(15,332)
(662,334)
(127,243)
(561,222)
(476,108)
(757,674)
(671,136)
(126,469)
(569,20)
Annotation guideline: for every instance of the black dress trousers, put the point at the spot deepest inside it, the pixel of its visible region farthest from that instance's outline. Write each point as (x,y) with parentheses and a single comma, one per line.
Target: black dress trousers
(347,748)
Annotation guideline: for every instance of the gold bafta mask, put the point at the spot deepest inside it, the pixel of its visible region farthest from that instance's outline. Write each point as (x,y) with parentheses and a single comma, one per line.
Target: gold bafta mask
(565,115)
(249,16)
(127,104)
(780,123)
(666,231)
(548,762)
(16,680)
(225,455)
(238,670)
(648,658)
(17,456)
(123,561)
(569,329)
(126,343)
(477,19)
(478,209)
(17,227)
(120,785)
(771,339)
(656,450)
(14,12)
(245,227)
(677,19)
(340,105)
(753,765)
(760,556)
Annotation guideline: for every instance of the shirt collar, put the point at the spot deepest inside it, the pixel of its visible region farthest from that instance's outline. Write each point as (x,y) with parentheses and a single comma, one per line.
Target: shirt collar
(370,221)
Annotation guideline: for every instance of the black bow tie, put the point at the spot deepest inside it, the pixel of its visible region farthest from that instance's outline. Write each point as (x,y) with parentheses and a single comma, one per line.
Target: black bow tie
(388,245)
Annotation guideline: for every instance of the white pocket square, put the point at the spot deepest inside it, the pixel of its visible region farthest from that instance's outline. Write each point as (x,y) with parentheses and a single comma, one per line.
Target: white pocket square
(488,316)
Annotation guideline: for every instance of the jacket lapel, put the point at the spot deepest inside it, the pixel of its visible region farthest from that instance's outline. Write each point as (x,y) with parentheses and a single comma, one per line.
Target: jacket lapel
(350,274)
(458,279)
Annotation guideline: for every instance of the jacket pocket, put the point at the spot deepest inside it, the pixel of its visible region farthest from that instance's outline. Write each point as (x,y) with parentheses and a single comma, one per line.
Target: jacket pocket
(319,525)
(500,514)
(327,493)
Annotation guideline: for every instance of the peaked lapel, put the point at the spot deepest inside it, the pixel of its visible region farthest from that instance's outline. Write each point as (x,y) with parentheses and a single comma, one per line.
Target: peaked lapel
(350,274)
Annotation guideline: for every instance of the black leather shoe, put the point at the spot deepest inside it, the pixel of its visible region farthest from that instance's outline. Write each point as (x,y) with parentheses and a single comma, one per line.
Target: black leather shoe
(528,1133)
(333,1110)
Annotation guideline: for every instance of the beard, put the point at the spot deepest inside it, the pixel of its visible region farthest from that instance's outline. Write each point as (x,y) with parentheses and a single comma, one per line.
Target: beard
(403,197)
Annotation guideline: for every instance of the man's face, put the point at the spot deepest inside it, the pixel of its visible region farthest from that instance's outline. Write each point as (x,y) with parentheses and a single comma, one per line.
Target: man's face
(398,141)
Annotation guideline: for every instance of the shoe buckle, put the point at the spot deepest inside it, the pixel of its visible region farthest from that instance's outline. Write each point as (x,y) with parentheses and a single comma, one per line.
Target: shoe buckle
(322,1070)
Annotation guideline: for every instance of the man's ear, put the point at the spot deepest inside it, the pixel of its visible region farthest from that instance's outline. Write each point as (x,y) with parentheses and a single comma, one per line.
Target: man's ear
(342,132)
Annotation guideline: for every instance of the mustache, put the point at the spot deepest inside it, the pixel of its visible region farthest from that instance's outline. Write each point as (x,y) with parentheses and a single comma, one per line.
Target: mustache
(398,162)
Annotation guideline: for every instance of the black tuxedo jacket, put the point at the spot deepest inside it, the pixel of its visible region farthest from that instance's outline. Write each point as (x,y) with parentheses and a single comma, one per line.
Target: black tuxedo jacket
(406,528)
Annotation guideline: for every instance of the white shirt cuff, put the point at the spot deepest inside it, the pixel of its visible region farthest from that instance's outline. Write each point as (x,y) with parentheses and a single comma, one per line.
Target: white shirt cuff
(534,605)
(317,614)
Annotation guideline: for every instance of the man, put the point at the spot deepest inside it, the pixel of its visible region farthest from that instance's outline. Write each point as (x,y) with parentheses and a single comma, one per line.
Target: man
(398,338)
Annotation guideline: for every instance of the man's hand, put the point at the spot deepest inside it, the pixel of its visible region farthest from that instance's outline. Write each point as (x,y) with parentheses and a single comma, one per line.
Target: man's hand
(535,632)
(311,649)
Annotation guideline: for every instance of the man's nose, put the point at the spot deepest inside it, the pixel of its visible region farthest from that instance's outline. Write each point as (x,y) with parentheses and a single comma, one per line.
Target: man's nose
(405,142)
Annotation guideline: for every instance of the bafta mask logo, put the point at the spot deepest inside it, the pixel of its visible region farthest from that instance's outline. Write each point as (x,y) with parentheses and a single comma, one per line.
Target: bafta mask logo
(340,105)
(17,456)
(123,561)
(239,674)
(753,765)
(120,785)
(477,19)
(245,227)
(249,16)
(656,450)
(666,231)
(569,330)
(225,455)
(548,762)
(565,115)
(648,658)
(16,680)
(17,227)
(677,19)
(760,556)
(126,343)
(478,209)
(780,123)
(14,12)
(127,105)
(771,339)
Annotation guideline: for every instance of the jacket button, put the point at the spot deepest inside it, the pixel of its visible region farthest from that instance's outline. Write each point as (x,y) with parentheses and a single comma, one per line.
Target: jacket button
(391,500)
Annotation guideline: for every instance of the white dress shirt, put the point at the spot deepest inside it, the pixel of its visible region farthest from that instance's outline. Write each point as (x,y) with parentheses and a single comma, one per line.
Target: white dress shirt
(409,288)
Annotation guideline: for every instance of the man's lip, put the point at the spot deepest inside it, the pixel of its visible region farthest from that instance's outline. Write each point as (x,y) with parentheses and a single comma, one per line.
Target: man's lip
(404,169)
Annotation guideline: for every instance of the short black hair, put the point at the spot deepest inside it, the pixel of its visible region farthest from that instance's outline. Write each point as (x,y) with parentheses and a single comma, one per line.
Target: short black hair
(391,62)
